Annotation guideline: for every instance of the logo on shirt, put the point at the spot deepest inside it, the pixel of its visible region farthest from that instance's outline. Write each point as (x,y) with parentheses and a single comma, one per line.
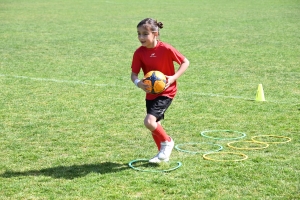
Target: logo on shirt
(152,55)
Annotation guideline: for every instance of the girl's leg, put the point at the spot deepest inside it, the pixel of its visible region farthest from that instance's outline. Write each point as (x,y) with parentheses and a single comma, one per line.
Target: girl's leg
(156,128)
(155,112)
(151,124)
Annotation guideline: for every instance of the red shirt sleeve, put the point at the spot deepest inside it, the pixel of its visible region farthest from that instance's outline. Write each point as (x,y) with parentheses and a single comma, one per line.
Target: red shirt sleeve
(175,54)
(137,63)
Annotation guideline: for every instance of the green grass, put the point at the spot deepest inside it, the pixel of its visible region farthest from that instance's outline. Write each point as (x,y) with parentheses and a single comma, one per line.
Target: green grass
(71,120)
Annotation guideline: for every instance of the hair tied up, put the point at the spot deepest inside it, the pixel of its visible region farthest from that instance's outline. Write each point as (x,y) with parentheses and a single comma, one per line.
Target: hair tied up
(160,25)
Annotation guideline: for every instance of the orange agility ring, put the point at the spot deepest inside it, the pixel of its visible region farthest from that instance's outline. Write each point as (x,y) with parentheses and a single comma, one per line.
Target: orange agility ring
(206,156)
(257,145)
(287,139)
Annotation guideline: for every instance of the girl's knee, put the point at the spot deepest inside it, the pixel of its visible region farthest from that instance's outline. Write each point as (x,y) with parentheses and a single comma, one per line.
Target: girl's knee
(147,122)
(150,122)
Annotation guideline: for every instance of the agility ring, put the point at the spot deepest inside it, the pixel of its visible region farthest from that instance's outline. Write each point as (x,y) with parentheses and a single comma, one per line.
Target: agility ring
(248,148)
(179,164)
(288,139)
(242,135)
(206,156)
(195,152)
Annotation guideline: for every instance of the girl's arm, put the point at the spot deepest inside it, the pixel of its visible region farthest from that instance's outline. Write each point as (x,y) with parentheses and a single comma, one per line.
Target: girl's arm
(140,84)
(134,76)
(184,65)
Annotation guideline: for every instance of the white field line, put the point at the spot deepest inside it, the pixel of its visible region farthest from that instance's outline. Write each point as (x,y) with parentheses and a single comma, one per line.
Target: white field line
(60,81)
(220,95)
(112,85)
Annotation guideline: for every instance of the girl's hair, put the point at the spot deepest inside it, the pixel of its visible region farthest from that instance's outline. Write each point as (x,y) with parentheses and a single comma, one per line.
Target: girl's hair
(151,24)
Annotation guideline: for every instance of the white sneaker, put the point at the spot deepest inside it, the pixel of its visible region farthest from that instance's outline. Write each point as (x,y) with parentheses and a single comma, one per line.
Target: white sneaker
(155,159)
(165,150)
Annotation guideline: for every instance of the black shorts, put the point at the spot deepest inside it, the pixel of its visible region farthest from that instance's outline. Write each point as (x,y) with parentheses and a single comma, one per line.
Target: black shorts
(158,106)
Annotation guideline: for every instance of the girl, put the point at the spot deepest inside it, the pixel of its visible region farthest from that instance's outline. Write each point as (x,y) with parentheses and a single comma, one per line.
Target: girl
(156,55)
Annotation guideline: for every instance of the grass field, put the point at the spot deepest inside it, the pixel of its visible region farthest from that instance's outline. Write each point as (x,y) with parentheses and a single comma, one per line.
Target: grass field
(71,120)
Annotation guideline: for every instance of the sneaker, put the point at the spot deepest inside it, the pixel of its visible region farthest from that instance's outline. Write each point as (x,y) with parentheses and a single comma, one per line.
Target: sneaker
(165,150)
(155,159)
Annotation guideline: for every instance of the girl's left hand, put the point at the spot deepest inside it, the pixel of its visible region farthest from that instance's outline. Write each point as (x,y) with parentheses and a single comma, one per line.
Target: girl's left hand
(170,80)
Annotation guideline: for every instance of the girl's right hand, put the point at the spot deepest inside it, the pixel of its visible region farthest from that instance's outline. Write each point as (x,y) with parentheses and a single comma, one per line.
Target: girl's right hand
(144,86)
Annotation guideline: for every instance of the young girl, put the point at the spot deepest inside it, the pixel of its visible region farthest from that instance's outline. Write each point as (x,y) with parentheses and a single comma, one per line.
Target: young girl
(156,55)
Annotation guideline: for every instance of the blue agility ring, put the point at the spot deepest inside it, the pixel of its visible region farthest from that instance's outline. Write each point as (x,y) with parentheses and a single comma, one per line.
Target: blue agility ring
(195,152)
(242,135)
(179,164)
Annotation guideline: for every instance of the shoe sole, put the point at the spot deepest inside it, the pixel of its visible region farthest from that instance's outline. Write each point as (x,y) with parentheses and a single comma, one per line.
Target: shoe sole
(164,160)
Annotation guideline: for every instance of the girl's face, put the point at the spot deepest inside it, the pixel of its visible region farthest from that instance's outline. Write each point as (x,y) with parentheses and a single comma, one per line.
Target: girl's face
(146,37)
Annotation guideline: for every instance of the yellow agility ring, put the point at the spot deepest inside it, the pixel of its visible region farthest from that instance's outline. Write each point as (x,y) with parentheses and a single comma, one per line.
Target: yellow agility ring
(265,145)
(274,136)
(244,156)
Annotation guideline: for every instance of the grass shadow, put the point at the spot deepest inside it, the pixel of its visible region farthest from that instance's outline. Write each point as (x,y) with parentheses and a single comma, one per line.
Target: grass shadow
(70,172)
(147,164)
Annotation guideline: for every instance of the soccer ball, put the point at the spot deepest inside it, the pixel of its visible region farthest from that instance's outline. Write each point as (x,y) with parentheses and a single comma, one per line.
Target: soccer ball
(156,80)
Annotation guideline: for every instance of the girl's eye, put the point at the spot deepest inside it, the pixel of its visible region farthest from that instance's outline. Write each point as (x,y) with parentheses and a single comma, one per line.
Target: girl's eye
(145,34)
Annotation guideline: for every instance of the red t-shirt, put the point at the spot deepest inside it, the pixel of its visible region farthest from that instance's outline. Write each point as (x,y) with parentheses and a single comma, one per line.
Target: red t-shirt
(160,58)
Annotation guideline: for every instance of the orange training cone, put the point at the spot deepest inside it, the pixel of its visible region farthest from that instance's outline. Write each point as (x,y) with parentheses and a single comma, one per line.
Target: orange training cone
(260,93)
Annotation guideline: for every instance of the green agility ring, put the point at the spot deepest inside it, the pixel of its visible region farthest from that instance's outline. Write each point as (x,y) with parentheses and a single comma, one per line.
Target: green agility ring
(241,134)
(179,164)
(195,143)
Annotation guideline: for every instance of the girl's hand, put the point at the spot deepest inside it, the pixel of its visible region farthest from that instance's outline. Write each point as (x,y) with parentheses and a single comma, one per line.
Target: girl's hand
(170,80)
(144,86)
